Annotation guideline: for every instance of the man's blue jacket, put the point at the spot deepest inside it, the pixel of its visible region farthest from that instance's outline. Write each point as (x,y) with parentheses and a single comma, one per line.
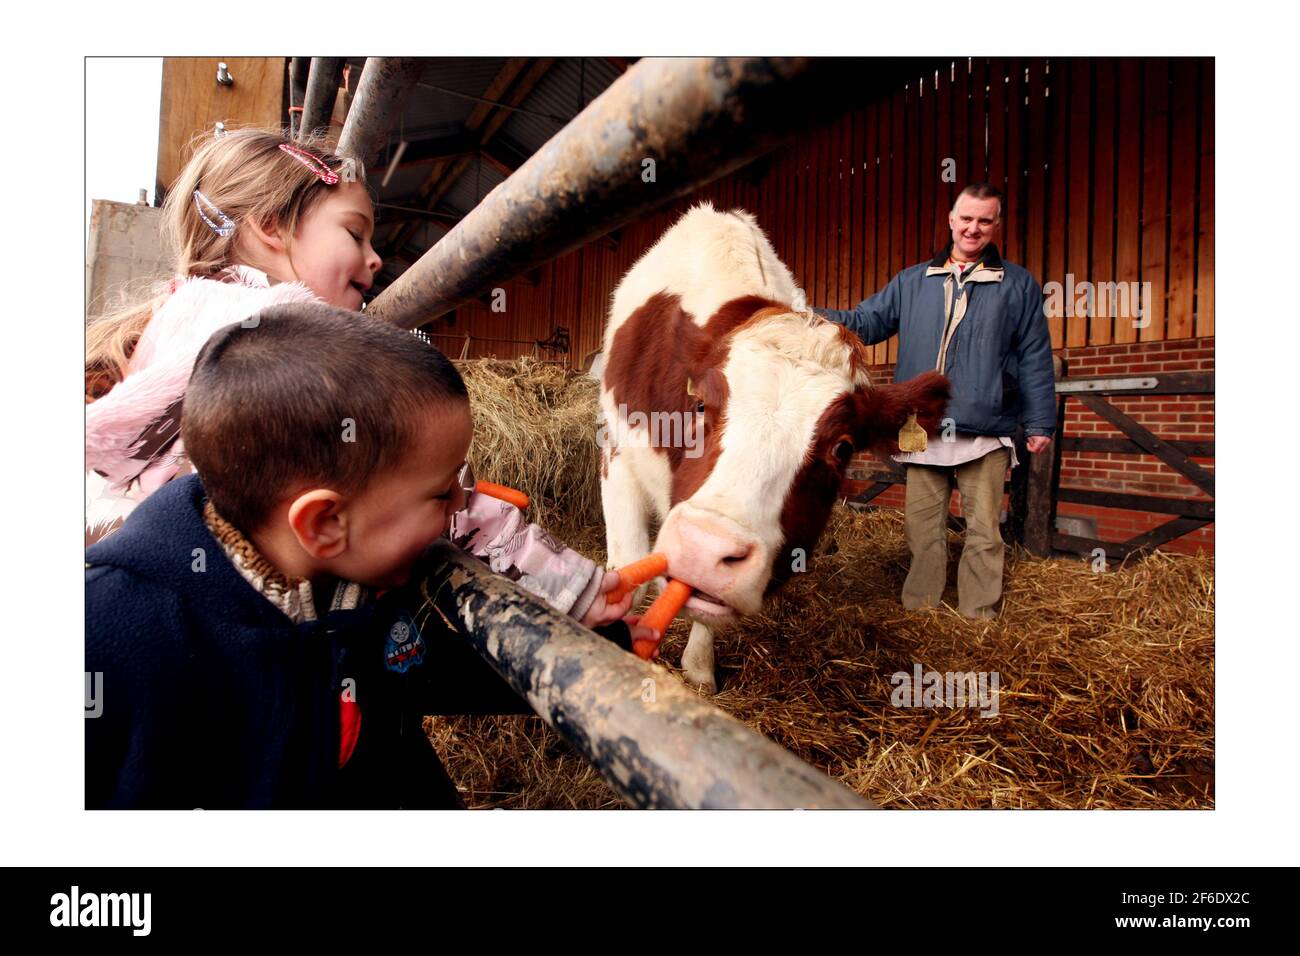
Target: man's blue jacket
(999,350)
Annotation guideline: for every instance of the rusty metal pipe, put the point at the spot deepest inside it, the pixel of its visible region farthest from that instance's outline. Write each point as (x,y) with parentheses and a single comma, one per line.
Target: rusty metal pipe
(655,742)
(297,90)
(386,84)
(323,78)
(696,119)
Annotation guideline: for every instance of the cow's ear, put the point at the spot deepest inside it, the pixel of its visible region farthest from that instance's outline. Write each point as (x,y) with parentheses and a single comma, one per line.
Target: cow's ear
(882,411)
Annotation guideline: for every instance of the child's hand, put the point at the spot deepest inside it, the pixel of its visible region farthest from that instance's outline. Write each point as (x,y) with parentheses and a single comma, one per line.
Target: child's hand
(641,633)
(601,610)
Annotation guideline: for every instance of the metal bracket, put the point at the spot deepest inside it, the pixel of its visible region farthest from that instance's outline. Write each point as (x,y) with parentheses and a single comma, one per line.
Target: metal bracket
(1105,384)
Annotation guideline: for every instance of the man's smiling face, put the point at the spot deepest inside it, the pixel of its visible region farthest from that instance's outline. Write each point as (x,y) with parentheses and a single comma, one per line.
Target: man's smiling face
(974,223)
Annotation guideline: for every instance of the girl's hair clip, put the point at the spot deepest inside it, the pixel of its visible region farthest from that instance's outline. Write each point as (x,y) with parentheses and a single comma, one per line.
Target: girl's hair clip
(224,226)
(314,163)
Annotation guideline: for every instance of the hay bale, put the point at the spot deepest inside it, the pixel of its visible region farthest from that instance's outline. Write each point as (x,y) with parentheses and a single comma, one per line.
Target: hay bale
(1107,680)
(535,430)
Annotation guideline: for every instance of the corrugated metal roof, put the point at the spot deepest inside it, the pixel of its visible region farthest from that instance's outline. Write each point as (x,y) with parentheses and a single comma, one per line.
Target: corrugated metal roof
(475,183)
(563,92)
(434,112)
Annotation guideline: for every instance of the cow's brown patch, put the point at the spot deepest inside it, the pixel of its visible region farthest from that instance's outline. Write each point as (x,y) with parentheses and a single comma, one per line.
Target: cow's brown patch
(807,505)
(868,417)
(658,351)
(860,357)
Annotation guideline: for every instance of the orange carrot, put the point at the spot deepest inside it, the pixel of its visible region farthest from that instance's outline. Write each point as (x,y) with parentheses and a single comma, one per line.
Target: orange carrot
(661,614)
(493,490)
(636,574)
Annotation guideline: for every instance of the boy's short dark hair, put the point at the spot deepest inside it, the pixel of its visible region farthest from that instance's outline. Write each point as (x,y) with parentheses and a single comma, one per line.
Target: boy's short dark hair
(306,394)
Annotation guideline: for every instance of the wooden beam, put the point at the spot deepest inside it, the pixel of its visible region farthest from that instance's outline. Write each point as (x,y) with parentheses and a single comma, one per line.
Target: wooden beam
(1123,446)
(422,152)
(1187,507)
(489,157)
(1167,383)
(1039,520)
(1163,534)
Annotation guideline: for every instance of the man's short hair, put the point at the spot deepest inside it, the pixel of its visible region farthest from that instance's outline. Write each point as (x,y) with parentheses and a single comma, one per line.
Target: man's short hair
(982,191)
(306,395)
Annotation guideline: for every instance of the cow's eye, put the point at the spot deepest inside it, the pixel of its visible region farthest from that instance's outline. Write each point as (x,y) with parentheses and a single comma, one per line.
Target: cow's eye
(699,408)
(843,451)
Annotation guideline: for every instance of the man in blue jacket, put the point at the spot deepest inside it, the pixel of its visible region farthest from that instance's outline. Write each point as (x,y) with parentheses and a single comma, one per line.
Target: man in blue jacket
(980,321)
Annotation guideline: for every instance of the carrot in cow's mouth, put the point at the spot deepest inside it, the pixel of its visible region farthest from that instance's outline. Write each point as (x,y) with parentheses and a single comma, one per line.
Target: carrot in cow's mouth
(637,573)
(660,615)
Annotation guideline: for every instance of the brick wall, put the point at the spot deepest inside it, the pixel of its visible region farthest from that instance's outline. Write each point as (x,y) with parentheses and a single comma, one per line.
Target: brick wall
(1183,418)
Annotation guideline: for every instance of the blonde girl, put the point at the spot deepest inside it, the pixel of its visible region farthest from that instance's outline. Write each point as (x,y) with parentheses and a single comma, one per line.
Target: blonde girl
(254,219)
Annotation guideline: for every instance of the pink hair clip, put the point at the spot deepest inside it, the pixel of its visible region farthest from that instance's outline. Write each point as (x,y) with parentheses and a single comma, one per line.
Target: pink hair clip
(314,163)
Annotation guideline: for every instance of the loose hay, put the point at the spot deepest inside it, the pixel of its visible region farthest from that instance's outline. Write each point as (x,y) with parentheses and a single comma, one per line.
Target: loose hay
(1106,679)
(535,430)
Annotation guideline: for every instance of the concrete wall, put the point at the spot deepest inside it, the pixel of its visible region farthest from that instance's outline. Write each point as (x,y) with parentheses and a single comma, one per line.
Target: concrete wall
(123,254)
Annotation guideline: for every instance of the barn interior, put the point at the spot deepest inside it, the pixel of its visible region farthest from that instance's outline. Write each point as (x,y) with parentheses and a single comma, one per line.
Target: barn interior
(850,168)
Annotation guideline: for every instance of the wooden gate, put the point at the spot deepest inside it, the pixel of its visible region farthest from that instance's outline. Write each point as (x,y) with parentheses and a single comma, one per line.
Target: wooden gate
(1036,498)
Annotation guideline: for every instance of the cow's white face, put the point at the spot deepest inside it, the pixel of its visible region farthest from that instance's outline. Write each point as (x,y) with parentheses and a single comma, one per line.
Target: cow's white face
(703,322)
(773,462)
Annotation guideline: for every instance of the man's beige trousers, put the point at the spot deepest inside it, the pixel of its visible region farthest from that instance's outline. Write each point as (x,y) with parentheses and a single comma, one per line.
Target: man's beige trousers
(979,576)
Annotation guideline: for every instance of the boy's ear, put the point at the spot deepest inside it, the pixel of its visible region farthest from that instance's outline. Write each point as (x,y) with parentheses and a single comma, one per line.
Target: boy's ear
(319,522)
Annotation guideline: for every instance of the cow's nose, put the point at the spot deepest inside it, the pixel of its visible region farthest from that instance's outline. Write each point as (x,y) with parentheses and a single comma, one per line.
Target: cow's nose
(709,557)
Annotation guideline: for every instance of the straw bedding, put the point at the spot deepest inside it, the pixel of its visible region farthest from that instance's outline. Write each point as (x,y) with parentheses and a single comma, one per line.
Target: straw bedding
(1106,679)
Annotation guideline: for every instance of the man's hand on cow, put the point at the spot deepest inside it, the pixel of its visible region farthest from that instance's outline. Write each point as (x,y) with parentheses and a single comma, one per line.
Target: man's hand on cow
(1038,443)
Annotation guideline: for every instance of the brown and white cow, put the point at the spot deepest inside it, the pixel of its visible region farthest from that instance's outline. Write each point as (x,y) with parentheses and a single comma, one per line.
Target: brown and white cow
(730,417)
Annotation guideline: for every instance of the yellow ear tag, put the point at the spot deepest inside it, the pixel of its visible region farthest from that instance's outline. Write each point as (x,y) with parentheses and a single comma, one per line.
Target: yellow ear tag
(911,437)
(690,387)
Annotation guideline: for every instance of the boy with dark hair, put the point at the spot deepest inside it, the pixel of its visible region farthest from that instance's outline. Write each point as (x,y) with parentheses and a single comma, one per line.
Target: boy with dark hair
(250,654)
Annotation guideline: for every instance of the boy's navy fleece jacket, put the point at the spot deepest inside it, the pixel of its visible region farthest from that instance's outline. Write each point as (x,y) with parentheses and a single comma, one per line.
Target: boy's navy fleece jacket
(212,697)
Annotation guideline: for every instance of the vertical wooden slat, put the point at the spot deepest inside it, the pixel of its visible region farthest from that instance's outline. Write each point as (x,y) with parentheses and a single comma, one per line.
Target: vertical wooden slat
(1013,218)
(1037,134)
(870,186)
(840,251)
(1205,228)
(944,150)
(1103,199)
(997,122)
(899,158)
(911,173)
(852,269)
(844,220)
(1128,193)
(1182,201)
(961,122)
(1080,159)
(798,220)
(1155,195)
(781,172)
(813,248)
(790,203)
(929,165)
(1058,102)
(827,182)
(829,226)
(979,117)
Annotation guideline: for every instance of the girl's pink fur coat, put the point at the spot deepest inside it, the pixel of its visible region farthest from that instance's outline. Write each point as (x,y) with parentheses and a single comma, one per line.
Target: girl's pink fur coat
(159,371)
